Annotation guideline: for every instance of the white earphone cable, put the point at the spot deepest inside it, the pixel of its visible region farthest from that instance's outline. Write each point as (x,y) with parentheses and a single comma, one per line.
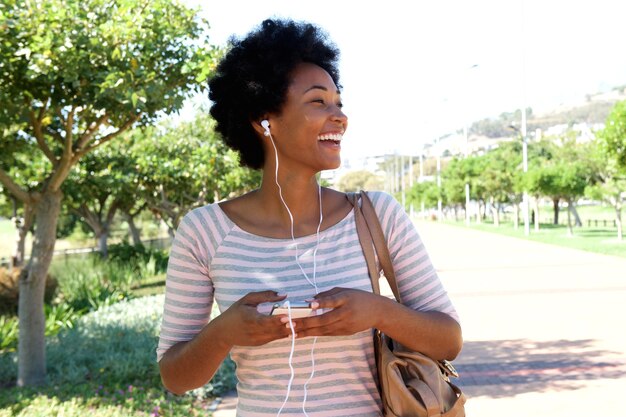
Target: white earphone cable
(313,283)
(293,348)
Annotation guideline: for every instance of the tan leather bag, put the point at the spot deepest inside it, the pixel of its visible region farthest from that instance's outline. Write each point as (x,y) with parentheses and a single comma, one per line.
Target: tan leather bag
(411,384)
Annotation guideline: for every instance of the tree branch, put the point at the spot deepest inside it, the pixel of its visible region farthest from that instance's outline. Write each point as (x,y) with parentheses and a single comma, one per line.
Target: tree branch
(90,131)
(55,135)
(108,137)
(139,210)
(41,141)
(69,124)
(112,210)
(60,173)
(24,196)
(90,218)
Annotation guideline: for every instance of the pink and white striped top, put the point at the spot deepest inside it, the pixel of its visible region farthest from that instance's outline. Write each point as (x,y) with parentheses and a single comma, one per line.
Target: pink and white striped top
(213,259)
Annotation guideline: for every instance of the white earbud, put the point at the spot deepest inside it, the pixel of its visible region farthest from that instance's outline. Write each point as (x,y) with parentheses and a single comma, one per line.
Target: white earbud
(266,126)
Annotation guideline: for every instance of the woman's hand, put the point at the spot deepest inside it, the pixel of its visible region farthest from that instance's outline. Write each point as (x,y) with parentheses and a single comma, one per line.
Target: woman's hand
(244,326)
(352,311)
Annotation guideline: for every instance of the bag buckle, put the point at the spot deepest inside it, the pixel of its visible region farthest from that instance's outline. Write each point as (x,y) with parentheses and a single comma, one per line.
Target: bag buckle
(449,369)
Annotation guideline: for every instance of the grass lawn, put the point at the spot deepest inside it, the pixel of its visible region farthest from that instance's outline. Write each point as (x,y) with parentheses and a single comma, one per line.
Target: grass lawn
(598,237)
(592,239)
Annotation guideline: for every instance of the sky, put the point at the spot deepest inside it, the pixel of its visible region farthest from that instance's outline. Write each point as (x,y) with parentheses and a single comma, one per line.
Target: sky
(412,71)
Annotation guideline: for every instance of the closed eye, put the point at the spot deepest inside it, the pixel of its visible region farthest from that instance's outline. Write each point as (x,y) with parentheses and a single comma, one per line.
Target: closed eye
(322,101)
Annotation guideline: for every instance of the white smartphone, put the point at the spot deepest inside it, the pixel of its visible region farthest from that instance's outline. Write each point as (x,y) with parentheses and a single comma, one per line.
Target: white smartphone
(298,309)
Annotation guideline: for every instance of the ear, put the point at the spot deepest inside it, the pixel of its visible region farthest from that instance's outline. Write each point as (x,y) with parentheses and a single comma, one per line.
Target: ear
(256,125)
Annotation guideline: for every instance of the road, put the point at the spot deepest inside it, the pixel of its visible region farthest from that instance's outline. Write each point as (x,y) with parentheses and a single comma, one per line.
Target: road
(543,325)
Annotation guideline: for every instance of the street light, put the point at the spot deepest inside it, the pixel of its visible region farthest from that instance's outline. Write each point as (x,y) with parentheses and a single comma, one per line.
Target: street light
(439,208)
(466,132)
(525,202)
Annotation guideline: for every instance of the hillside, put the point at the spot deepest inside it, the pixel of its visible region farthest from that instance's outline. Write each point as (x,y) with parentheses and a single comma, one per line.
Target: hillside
(594,109)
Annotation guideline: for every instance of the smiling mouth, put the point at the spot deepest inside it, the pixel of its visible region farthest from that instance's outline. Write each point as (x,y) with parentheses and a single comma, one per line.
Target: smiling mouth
(331,137)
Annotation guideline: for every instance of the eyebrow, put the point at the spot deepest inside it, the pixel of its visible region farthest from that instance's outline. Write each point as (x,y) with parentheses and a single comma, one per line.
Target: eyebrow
(319,87)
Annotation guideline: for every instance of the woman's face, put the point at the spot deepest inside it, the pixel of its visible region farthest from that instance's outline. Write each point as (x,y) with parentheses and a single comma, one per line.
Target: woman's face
(310,126)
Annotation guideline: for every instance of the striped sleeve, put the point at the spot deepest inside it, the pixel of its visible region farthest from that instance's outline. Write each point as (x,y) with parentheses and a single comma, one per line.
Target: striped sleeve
(418,282)
(188,286)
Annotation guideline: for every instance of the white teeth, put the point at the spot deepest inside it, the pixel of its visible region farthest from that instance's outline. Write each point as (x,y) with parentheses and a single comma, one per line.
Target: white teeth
(331,136)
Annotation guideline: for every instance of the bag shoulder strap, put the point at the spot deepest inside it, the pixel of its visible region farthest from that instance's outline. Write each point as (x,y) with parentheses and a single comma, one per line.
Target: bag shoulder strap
(367,245)
(371,233)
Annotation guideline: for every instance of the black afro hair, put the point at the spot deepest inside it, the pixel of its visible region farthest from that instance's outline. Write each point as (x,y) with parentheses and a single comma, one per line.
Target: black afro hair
(253,77)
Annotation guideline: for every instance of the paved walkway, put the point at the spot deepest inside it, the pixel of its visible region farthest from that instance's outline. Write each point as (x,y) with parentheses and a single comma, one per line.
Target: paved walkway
(543,326)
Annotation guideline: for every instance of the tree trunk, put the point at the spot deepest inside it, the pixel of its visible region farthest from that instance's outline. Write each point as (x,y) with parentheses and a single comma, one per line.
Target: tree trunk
(135,233)
(536,214)
(572,208)
(555,204)
(101,228)
(102,241)
(31,342)
(570,230)
(496,215)
(479,213)
(618,221)
(516,215)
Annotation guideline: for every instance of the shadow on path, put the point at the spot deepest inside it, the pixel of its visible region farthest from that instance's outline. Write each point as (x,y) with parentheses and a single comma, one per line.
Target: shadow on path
(505,368)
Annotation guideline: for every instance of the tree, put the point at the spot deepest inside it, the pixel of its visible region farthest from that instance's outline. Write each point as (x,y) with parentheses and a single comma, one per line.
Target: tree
(562,172)
(453,179)
(578,172)
(474,167)
(99,186)
(424,194)
(500,174)
(185,166)
(355,181)
(537,181)
(614,134)
(75,75)
(611,185)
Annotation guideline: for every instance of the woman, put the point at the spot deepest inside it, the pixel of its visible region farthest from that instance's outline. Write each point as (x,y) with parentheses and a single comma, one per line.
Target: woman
(277,101)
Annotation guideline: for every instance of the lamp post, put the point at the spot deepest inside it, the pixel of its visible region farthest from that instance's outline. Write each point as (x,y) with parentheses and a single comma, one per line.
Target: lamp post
(466,132)
(525,169)
(524,138)
(525,202)
(439,208)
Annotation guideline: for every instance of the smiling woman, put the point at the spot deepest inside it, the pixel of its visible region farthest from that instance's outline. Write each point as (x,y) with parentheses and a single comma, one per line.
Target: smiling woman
(277,100)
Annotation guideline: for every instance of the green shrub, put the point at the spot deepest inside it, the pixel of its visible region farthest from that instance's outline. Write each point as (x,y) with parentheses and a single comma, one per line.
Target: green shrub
(88,283)
(139,256)
(104,363)
(126,253)
(8,333)
(57,317)
(114,345)
(93,400)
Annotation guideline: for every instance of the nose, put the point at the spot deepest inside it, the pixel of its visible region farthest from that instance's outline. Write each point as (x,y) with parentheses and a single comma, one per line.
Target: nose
(340,117)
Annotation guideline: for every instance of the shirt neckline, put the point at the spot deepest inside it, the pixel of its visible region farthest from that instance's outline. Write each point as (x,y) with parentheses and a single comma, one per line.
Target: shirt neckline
(305,238)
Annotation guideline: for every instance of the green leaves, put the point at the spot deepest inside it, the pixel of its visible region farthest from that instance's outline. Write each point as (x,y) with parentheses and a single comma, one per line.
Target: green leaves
(186,165)
(613,137)
(122,56)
